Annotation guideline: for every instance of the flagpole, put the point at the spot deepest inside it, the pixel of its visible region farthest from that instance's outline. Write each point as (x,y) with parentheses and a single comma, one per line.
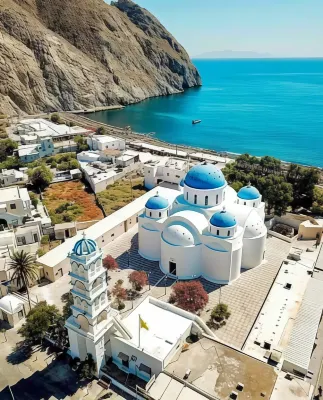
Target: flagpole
(139,331)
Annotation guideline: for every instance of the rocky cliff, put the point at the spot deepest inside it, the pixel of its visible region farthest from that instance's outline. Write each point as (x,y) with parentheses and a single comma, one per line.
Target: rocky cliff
(75,54)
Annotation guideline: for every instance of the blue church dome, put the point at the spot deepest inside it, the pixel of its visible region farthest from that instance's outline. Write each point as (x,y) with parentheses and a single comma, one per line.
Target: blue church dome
(181,183)
(157,202)
(223,219)
(84,247)
(248,193)
(204,177)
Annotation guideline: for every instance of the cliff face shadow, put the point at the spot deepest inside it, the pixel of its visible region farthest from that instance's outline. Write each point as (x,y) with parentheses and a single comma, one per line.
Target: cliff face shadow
(57,380)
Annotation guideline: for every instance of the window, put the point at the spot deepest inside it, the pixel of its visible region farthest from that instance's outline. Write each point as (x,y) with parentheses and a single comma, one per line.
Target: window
(186,195)
(20,314)
(35,237)
(223,195)
(136,219)
(218,232)
(159,214)
(177,176)
(150,213)
(217,199)
(195,199)
(206,200)
(228,233)
(13,206)
(145,369)
(167,174)
(254,204)
(112,235)
(245,203)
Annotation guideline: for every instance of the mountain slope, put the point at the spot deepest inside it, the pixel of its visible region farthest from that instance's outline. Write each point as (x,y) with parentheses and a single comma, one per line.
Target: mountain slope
(72,54)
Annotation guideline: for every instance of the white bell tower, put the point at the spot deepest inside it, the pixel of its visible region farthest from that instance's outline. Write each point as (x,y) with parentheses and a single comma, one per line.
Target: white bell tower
(91,309)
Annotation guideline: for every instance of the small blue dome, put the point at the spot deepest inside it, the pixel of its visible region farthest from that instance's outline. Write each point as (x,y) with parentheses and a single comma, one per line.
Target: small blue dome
(223,219)
(248,193)
(204,177)
(84,247)
(157,203)
(181,183)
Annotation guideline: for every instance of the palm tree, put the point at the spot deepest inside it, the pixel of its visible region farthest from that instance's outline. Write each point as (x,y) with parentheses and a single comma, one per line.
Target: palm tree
(25,269)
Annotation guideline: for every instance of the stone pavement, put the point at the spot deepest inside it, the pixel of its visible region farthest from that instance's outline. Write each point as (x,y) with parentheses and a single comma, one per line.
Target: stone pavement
(244,297)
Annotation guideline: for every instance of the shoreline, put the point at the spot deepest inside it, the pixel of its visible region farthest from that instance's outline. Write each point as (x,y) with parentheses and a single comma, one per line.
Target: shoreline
(149,139)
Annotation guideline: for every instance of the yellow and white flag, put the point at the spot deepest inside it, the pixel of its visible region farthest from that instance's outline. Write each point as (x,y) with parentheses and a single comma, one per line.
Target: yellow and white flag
(143,324)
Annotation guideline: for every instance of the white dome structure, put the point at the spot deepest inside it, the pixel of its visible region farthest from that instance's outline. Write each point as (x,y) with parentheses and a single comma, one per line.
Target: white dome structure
(208,231)
(178,235)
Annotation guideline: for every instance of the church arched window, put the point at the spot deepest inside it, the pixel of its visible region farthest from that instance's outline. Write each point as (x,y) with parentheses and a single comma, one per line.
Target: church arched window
(159,214)
(186,195)
(223,195)
(217,199)
(195,199)
(254,204)
(206,200)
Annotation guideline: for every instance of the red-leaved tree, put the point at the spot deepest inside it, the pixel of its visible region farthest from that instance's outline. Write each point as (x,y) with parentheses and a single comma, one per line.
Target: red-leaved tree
(138,279)
(119,293)
(110,263)
(189,296)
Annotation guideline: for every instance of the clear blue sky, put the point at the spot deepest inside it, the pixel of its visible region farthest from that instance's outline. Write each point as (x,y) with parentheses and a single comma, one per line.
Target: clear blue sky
(283,28)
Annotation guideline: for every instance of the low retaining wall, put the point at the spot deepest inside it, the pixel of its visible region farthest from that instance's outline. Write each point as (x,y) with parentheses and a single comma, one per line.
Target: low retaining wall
(282,237)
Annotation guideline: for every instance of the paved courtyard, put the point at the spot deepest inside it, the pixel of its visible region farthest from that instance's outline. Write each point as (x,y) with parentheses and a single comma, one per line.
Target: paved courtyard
(244,297)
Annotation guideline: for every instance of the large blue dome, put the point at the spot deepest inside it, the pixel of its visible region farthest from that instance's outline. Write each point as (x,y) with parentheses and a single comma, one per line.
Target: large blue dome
(223,219)
(248,193)
(204,177)
(157,203)
(84,247)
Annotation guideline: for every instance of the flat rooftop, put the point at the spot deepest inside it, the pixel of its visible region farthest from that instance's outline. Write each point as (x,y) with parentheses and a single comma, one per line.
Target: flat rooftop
(13,193)
(106,138)
(217,369)
(165,328)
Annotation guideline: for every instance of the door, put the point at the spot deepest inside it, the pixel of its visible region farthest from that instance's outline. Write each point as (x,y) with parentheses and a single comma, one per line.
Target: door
(5,317)
(35,237)
(23,240)
(60,272)
(172,268)
(67,233)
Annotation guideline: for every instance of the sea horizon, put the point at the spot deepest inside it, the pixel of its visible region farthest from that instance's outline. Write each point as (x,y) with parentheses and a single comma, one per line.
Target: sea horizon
(271,106)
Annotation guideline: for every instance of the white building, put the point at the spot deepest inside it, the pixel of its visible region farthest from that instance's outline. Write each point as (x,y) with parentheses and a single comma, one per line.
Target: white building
(209,230)
(11,176)
(98,175)
(12,309)
(142,344)
(164,169)
(102,142)
(15,205)
(127,158)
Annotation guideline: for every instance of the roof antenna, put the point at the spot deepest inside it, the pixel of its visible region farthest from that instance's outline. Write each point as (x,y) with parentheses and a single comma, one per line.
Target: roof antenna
(249,184)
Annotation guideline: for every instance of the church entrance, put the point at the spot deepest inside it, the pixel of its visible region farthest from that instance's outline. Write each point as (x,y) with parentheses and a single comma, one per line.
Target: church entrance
(172,268)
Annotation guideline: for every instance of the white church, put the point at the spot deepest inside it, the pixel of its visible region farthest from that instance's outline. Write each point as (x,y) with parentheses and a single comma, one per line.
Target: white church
(208,231)
(141,344)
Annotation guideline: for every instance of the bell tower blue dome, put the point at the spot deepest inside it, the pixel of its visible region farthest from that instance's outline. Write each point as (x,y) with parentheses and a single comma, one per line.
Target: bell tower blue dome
(157,203)
(248,193)
(223,219)
(84,247)
(204,177)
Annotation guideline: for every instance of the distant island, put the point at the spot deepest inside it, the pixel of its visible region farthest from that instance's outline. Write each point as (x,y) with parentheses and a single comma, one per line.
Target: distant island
(233,54)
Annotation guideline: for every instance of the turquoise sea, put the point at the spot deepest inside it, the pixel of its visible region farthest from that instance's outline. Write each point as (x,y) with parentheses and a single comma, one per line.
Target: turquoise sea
(263,107)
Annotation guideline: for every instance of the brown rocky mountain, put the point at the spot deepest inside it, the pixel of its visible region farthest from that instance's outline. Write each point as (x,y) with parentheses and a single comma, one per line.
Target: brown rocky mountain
(75,54)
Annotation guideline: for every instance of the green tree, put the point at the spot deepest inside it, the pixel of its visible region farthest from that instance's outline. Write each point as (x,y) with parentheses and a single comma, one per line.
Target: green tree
(7,146)
(101,130)
(220,312)
(24,269)
(81,143)
(34,199)
(68,301)
(38,321)
(40,177)
(303,180)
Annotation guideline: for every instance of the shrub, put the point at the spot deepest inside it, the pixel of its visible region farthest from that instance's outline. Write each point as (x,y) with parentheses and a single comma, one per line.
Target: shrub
(45,239)
(101,131)
(119,292)
(110,263)
(138,279)
(121,305)
(189,296)
(41,252)
(34,199)
(55,118)
(87,367)
(3,135)
(220,312)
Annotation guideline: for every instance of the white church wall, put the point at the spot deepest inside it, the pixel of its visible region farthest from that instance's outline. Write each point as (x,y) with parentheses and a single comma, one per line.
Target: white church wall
(236,264)
(204,198)
(253,251)
(130,349)
(149,244)
(187,260)
(150,176)
(216,265)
